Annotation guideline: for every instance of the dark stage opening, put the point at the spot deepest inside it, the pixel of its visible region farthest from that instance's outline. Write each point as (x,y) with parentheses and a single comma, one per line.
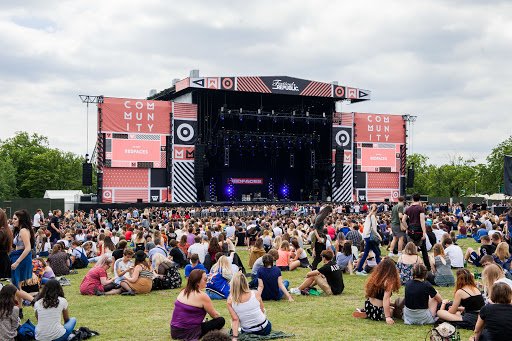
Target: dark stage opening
(264,146)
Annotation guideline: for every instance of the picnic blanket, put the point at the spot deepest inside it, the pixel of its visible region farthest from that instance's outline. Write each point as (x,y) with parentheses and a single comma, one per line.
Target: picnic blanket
(275,334)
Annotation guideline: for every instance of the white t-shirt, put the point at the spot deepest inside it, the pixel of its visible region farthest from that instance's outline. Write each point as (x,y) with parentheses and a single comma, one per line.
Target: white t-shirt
(37,220)
(200,249)
(439,234)
(48,320)
(120,265)
(454,252)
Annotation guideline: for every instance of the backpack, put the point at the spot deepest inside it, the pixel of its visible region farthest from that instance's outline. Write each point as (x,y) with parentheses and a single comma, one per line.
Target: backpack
(81,262)
(171,279)
(218,283)
(444,332)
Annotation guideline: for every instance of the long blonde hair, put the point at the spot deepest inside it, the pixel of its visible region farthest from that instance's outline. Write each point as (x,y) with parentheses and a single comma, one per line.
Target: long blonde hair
(223,265)
(158,259)
(239,286)
(490,275)
(502,251)
(438,250)
(277,242)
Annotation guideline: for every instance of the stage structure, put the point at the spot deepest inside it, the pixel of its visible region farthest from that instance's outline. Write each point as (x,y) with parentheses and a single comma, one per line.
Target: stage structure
(258,139)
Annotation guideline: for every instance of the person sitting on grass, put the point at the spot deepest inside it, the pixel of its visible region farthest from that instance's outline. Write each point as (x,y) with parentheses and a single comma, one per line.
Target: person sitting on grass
(141,278)
(344,257)
(270,282)
(406,262)
(194,264)
(246,308)
(221,273)
(441,271)
(487,248)
(96,281)
(49,307)
(123,266)
(299,254)
(502,256)
(492,274)
(253,284)
(421,299)
(9,313)
(381,284)
(329,277)
(494,319)
(467,302)
(284,261)
(190,309)
(256,251)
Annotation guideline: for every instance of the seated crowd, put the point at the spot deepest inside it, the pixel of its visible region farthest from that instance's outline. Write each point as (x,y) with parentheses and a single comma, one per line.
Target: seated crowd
(131,252)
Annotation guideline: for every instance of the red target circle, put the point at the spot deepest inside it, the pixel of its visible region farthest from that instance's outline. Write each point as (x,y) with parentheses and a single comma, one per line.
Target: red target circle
(227,83)
(339,91)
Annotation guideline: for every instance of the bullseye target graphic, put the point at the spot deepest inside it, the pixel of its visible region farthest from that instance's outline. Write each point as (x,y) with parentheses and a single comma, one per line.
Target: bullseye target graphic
(227,83)
(107,194)
(339,92)
(184,132)
(342,137)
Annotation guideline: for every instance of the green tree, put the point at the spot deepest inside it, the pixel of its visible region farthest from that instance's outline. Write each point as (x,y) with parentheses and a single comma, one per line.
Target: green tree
(8,188)
(492,175)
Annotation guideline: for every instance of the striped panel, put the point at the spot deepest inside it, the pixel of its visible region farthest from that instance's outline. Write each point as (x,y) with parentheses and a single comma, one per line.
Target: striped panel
(317,89)
(347,119)
(147,137)
(343,191)
(185,111)
(383,180)
(403,159)
(385,145)
(251,84)
(130,195)
(183,183)
(163,159)
(374,195)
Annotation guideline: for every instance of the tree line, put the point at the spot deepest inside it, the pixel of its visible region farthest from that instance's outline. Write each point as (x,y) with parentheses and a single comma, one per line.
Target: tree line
(29,166)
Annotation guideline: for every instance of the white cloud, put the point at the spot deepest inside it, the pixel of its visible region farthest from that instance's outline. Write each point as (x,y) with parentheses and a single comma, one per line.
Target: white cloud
(446,61)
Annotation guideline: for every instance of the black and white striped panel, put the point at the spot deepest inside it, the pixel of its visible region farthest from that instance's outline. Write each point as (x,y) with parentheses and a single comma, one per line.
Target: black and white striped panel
(343,191)
(183,184)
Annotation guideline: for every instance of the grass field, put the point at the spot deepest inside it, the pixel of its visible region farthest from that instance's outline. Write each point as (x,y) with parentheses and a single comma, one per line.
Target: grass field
(147,317)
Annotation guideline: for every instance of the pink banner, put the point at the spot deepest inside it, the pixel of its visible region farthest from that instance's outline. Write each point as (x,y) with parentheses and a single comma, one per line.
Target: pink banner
(377,157)
(383,128)
(246,181)
(135,116)
(135,150)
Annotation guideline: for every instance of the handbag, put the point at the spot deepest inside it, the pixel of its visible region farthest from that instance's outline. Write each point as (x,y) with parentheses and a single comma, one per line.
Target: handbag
(444,332)
(374,236)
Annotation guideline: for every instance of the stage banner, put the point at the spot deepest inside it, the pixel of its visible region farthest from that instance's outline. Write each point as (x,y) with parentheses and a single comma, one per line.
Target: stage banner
(383,128)
(128,115)
(246,181)
(343,138)
(185,132)
(507,167)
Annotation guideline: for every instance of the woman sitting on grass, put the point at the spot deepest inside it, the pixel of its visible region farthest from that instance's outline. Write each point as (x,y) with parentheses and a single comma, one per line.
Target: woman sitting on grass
(59,261)
(48,310)
(141,278)
(300,254)
(284,262)
(344,257)
(9,313)
(407,261)
(383,281)
(494,319)
(96,281)
(492,274)
(218,280)
(256,251)
(421,299)
(191,307)
(440,264)
(246,308)
(467,302)
(502,256)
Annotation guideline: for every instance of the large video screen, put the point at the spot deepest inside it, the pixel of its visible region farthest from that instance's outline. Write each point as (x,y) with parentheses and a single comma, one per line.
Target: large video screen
(135,150)
(374,159)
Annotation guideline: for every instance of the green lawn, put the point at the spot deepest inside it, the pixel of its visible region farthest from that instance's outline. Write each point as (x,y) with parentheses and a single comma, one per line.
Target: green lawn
(146,317)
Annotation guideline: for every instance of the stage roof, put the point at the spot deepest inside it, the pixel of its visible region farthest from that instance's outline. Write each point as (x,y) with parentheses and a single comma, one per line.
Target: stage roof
(282,85)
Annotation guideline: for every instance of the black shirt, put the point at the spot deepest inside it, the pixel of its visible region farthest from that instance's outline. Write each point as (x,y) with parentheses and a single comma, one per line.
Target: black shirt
(240,236)
(497,319)
(117,254)
(54,234)
(413,212)
(417,294)
(178,257)
(334,277)
(487,249)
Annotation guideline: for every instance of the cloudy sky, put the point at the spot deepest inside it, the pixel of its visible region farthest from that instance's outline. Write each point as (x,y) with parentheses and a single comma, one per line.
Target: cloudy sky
(446,61)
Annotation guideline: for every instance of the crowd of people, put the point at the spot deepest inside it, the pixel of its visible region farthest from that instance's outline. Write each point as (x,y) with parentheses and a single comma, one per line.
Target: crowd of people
(132,252)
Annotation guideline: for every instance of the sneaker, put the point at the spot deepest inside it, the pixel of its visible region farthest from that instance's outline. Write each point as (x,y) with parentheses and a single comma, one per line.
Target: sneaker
(305,292)
(391,255)
(73,272)
(399,254)
(295,291)
(361,273)
(99,293)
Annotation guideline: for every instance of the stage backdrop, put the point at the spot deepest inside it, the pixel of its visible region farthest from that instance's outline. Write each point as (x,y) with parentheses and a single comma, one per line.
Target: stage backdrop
(134,139)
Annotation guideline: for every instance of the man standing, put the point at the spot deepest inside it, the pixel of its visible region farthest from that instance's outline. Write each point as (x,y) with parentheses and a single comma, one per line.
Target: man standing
(397,227)
(37,219)
(55,226)
(416,229)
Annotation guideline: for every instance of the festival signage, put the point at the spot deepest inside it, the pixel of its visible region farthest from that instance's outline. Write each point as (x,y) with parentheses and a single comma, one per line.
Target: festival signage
(246,181)
(374,158)
(135,151)
(383,128)
(134,116)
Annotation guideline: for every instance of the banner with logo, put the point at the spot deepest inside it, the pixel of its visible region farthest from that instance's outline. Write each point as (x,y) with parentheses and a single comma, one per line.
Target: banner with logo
(383,128)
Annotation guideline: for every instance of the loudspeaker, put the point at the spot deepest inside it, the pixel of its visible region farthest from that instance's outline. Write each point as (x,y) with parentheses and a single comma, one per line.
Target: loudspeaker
(338,165)
(86,174)
(410,177)
(313,158)
(226,156)
(292,160)
(199,162)
(99,179)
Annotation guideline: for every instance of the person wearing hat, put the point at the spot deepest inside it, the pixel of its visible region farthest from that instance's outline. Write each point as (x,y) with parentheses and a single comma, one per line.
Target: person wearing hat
(141,279)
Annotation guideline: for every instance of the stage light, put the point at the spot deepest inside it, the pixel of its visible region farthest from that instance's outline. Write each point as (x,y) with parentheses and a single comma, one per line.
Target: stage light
(240,110)
(307,113)
(259,111)
(221,109)
(323,115)
(222,116)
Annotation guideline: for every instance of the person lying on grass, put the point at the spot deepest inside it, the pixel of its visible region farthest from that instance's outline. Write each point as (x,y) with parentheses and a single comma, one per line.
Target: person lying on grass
(383,281)
(329,277)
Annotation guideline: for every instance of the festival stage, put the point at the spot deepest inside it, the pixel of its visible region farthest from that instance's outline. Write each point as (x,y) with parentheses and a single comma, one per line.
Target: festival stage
(248,139)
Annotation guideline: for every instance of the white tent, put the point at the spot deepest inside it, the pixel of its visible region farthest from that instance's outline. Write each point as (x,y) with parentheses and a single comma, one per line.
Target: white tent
(70,197)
